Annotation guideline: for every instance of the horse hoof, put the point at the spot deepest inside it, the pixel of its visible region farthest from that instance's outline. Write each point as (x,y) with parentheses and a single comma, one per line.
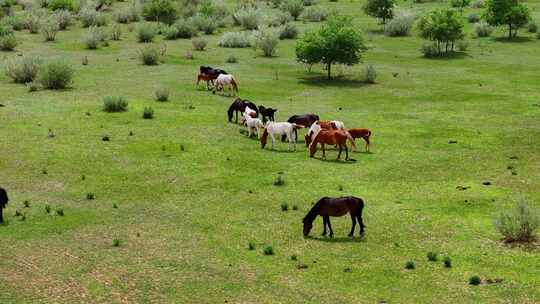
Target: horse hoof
(331,236)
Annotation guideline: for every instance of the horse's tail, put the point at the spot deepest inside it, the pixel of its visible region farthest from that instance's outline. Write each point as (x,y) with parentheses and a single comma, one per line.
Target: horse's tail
(351,140)
(297,126)
(230,112)
(234,84)
(264,138)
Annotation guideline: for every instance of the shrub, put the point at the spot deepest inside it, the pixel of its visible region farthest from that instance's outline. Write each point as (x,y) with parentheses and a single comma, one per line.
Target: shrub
(459,3)
(532,27)
(518,224)
(116,242)
(90,17)
(113,104)
(432,256)
(234,40)
(276,19)
(128,14)
(293,7)
(401,24)
(23,69)
(32,86)
(288,31)
(266,39)
(14,21)
(8,42)
(314,14)
(59,211)
(199,44)
(308,2)
(6,30)
(248,18)
(268,250)
(116,32)
(473,18)
(410,265)
(447,262)
(148,113)
(462,45)
(56,75)
(49,29)
(185,29)
(279,181)
(295,207)
(63,18)
(170,32)
(149,55)
(429,50)
(47,208)
(146,32)
(32,23)
(284,206)
(90,196)
(251,245)
(159,10)
(370,74)
(162,94)
(443,27)
(483,29)
(475,280)
(478,4)
(56,5)
(204,23)
(231,59)
(94,36)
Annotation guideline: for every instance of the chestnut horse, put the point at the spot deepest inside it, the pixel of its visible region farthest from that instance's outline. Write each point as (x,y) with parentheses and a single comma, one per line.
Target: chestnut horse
(339,206)
(331,137)
(204,77)
(361,133)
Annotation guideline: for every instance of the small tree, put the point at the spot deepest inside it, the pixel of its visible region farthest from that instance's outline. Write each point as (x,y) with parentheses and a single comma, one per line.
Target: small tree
(383,9)
(444,27)
(507,12)
(337,41)
(159,10)
(460,4)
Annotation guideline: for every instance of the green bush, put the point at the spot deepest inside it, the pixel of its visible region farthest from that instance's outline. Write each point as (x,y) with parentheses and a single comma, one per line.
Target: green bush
(234,40)
(478,4)
(49,29)
(520,223)
(116,32)
(32,22)
(231,59)
(432,256)
(483,29)
(159,10)
(410,265)
(148,113)
(23,69)
(447,262)
(64,19)
(266,39)
(169,32)
(56,5)
(128,14)
(475,280)
(146,32)
(400,25)
(532,27)
(6,30)
(56,75)
(284,206)
(162,94)
(90,17)
(199,44)
(117,242)
(204,23)
(251,245)
(93,38)
(462,45)
(8,42)
(185,29)
(274,19)
(293,7)
(113,104)
(268,250)
(149,55)
(288,31)
(15,21)
(314,14)
(473,18)
(429,50)
(280,181)
(248,18)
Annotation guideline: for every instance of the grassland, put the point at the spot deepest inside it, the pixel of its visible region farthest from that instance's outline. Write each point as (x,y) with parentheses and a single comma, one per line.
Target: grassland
(185,216)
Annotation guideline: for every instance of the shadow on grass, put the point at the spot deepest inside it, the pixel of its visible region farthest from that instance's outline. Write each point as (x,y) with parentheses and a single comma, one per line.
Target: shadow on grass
(337,81)
(513,40)
(344,239)
(337,161)
(449,56)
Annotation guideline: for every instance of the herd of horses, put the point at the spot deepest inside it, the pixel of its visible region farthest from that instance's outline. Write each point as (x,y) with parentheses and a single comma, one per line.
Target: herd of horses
(319,132)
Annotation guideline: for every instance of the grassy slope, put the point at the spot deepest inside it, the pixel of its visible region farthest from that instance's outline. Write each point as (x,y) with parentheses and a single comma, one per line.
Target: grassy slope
(185,217)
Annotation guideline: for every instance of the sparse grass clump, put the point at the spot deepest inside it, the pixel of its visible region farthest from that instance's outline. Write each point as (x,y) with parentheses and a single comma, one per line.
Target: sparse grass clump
(116,243)
(26,204)
(234,40)
(56,75)
(148,113)
(251,245)
(410,265)
(162,94)
(279,181)
(475,280)
(199,44)
(59,211)
(520,223)
(447,262)
(284,206)
(149,55)
(23,69)
(115,104)
(432,256)
(268,250)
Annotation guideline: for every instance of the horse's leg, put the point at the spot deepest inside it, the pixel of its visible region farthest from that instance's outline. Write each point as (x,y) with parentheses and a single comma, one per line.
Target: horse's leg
(273,140)
(323,151)
(324,224)
(296,134)
(366,139)
(329,226)
(346,152)
(353,225)
(361,223)
(339,153)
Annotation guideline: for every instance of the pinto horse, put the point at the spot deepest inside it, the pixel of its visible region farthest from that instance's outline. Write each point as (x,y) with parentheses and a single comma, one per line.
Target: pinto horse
(339,206)
(331,137)
(267,112)
(324,125)
(304,119)
(239,106)
(277,129)
(361,133)
(226,80)
(3,202)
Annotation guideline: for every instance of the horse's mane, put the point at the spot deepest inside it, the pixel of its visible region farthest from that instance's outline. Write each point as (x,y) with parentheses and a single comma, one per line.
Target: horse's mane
(310,216)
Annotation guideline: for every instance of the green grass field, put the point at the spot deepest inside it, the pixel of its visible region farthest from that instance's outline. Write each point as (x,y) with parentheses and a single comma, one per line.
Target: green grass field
(186,215)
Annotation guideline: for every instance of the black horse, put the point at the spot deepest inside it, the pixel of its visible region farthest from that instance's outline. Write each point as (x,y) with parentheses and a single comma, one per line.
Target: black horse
(305,119)
(239,106)
(208,70)
(339,206)
(3,203)
(267,112)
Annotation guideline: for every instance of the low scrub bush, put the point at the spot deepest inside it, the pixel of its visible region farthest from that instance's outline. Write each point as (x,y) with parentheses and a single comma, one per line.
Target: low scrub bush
(432,256)
(148,113)
(234,40)
(6,30)
(483,29)
(251,245)
(284,206)
(275,19)
(268,250)
(462,45)
(429,50)
(186,29)
(410,265)
(64,19)
(199,44)
(266,39)
(520,223)
(59,211)
(532,27)
(475,280)
(401,24)
(56,5)
(146,32)
(90,17)
(288,31)
(447,262)
(314,14)
(149,55)
(93,38)
(478,4)
(49,29)
(116,32)
(162,94)
(32,23)
(169,32)
(16,22)
(160,10)
(231,59)
(204,23)
(248,18)
(293,7)
(113,104)
(8,42)
(128,14)
(56,75)
(473,18)
(117,242)
(279,181)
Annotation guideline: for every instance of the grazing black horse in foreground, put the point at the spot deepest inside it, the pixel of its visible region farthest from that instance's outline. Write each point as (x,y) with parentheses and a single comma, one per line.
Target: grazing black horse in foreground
(239,105)
(328,206)
(267,112)
(3,202)
(305,120)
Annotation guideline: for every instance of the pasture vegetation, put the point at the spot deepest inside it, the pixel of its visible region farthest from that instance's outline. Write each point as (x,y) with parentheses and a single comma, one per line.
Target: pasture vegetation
(442,126)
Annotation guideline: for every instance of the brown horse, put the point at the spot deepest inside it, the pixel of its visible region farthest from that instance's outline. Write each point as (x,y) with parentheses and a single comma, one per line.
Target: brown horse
(205,77)
(331,137)
(361,133)
(339,206)
(318,125)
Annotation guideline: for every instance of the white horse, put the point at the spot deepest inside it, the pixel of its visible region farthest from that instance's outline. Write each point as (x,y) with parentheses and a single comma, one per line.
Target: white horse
(253,125)
(249,112)
(228,80)
(278,129)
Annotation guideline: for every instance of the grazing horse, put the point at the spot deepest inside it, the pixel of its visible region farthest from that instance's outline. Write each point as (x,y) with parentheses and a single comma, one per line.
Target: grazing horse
(279,129)
(239,105)
(305,120)
(248,112)
(226,80)
(3,202)
(253,125)
(339,206)
(205,77)
(324,125)
(331,137)
(267,112)
(211,71)
(361,133)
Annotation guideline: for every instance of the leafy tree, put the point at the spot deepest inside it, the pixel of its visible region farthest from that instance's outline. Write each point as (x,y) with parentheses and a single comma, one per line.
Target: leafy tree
(443,26)
(507,12)
(383,9)
(159,10)
(461,4)
(337,41)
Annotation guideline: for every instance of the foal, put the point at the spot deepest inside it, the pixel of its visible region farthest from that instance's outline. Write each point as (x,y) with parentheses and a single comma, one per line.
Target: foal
(204,77)
(361,133)
(331,137)
(328,206)
(253,124)
(277,129)
(267,112)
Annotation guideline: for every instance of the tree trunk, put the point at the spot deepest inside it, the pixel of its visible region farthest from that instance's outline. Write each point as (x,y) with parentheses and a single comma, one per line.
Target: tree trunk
(509,31)
(328,67)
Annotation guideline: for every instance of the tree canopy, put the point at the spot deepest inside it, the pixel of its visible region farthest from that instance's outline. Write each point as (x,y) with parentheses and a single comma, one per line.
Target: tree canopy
(507,12)
(337,41)
(383,9)
(443,26)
